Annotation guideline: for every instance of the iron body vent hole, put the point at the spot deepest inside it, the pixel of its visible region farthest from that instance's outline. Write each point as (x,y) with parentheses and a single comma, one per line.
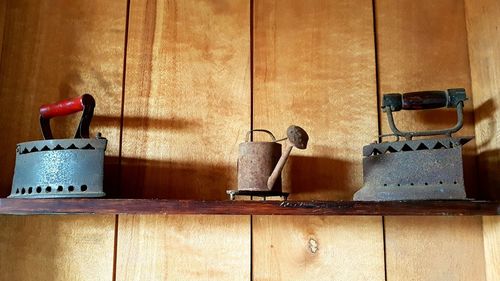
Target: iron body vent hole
(38,189)
(440,182)
(88,146)
(71,188)
(406,148)
(45,148)
(25,150)
(23,190)
(30,190)
(17,191)
(422,147)
(59,188)
(48,189)
(58,147)
(34,149)
(72,146)
(83,187)
(376,152)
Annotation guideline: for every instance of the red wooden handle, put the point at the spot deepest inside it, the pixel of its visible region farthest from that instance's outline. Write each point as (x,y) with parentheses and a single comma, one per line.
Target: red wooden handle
(63,108)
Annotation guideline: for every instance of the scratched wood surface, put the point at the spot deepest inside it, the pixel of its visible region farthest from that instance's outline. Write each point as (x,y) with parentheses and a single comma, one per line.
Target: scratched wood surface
(322,248)
(165,247)
(315,67)
(491,237)
(422,45)
(54,50)
(187,98)
(56,247)
(484,42)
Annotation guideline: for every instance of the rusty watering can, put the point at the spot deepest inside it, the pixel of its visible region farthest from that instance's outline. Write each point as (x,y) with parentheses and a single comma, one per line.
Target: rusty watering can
(260,163)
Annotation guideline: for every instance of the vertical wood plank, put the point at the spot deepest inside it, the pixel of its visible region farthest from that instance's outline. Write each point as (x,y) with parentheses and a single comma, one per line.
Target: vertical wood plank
(484,42)
(434,248)
(314,66)
(161,247)
(319,248)
(56,248)
(187,100)
(3,10)
(422,45)
(54,50)
(491,237)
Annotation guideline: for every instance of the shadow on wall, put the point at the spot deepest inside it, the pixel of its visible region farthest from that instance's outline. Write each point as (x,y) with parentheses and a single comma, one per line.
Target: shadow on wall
(320,178)
(307,178)
(142,178)
(489,174)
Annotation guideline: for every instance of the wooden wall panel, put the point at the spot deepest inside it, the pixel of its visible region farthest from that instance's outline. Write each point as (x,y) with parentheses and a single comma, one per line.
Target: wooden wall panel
(422,45)
(187,100)
(484,42)
(183,248)
(437,248)
(315,67)
(54,50)
(491,237)
(56,248)
(317,248)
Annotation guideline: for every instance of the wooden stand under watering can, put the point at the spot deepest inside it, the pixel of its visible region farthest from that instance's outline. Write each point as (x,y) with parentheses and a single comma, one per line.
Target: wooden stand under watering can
(260,163)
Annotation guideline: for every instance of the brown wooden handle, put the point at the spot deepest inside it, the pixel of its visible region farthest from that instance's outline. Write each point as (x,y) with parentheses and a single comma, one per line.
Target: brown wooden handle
(425,100)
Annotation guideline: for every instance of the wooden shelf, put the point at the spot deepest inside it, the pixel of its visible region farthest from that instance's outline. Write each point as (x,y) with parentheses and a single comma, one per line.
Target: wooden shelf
(157,206)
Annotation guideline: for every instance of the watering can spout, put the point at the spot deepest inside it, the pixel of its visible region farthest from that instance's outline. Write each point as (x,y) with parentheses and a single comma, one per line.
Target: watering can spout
(296,137)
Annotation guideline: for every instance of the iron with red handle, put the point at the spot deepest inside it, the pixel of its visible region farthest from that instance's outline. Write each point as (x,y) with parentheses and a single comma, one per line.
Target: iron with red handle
(85,103)
(451,98)
(65,167)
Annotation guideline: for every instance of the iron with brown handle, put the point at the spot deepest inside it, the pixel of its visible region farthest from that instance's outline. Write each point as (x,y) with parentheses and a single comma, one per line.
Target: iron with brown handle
(452,98)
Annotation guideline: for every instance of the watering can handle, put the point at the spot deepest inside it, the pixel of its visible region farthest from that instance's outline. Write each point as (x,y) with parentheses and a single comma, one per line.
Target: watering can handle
(247,138)
(424,100)
(85,103)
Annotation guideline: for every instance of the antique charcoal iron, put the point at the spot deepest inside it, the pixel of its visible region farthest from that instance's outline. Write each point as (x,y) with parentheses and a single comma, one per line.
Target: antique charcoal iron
(61,168)
(260,163)
(422,169)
